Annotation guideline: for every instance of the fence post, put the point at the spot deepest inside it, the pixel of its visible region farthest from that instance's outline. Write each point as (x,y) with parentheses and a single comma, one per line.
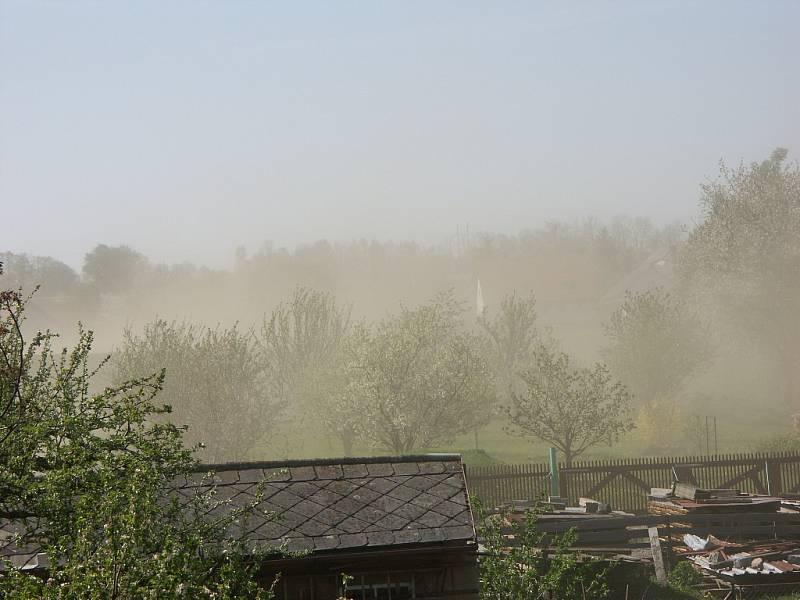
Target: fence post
(555,488)
(774,481)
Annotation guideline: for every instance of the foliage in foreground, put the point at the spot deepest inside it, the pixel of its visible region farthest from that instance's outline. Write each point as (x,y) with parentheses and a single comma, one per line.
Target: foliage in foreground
(525,571)
(89,479)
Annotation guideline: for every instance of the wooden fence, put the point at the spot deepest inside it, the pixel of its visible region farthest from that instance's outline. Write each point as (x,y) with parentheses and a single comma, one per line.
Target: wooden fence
(625,483)
(498,484)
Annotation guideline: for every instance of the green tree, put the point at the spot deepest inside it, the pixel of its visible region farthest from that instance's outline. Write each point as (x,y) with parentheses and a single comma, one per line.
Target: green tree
(113,269)
(422,379)
(656,344)
(572,409)
(215,383)
(743,259)
(304,347)
(300,337)
(27,272)
(89,479)
(341,389)
(511,335)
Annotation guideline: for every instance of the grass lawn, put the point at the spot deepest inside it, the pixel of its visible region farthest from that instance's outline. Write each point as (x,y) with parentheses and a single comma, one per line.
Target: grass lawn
(738,432)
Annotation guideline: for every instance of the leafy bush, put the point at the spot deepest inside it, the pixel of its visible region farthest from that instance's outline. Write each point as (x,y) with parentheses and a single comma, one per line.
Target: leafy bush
(683,577)
(527,570)
(89,480)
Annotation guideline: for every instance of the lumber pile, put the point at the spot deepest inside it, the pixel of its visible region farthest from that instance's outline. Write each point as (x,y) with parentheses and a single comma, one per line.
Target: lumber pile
(685,498)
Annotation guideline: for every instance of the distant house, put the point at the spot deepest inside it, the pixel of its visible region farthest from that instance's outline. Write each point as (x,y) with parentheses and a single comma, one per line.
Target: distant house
(401,527)
(657,270)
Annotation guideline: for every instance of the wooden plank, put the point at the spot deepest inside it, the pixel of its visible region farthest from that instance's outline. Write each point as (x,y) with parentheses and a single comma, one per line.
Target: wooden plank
(689,491)
(742,477)
(600,524)
(658,557)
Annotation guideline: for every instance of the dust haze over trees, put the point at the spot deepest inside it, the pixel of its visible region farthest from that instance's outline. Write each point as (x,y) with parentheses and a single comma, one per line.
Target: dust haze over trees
(214,383)
(655,344)
(511,335)
(301,346)
(348,347)
(743,259)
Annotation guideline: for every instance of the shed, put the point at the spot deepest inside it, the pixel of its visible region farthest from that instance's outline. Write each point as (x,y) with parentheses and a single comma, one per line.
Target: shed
(400,527)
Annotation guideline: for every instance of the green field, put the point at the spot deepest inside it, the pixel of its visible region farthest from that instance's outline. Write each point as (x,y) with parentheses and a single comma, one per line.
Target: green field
(737,432)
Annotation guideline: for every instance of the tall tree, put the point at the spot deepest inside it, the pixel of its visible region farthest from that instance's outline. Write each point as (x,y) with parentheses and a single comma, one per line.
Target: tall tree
(655,344)
(304,349)
(423,380)
(339,389)
(572,409)
(301,336)
(215,383)
(511,335)
(743,259)
(113,269)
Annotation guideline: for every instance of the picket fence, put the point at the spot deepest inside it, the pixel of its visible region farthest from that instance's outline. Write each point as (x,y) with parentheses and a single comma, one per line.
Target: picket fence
(625,483)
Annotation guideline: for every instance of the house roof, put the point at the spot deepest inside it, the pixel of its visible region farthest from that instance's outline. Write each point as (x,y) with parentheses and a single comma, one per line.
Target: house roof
(327,505)
(657,270)
(354,503)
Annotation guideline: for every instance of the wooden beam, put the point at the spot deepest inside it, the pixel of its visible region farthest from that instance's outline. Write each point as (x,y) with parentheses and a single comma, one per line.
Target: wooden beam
(658,557)
(603,483)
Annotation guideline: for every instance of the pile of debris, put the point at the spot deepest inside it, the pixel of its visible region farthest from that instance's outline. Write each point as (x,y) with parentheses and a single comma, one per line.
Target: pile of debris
(686,498)
(746,563)
(790,502)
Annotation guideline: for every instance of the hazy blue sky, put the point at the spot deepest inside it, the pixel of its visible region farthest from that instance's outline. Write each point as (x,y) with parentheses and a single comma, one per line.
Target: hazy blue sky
(187,128)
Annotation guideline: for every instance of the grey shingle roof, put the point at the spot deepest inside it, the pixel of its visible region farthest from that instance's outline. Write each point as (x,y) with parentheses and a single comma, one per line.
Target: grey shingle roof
(323,505)
(329,504)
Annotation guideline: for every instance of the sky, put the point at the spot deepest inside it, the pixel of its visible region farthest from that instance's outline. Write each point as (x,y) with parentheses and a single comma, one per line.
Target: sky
(186,129)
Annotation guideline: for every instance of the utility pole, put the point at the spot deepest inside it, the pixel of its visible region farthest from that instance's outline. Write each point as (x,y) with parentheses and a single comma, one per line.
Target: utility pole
(716,447)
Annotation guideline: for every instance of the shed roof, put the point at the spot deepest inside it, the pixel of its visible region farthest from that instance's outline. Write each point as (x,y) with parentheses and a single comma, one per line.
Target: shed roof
(337,504)
(327,505)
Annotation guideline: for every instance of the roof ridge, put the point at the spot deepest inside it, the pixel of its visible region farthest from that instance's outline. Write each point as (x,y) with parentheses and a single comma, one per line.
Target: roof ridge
(279,464)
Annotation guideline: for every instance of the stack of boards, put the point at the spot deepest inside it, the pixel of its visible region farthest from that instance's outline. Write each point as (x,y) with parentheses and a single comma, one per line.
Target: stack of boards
(686,498)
